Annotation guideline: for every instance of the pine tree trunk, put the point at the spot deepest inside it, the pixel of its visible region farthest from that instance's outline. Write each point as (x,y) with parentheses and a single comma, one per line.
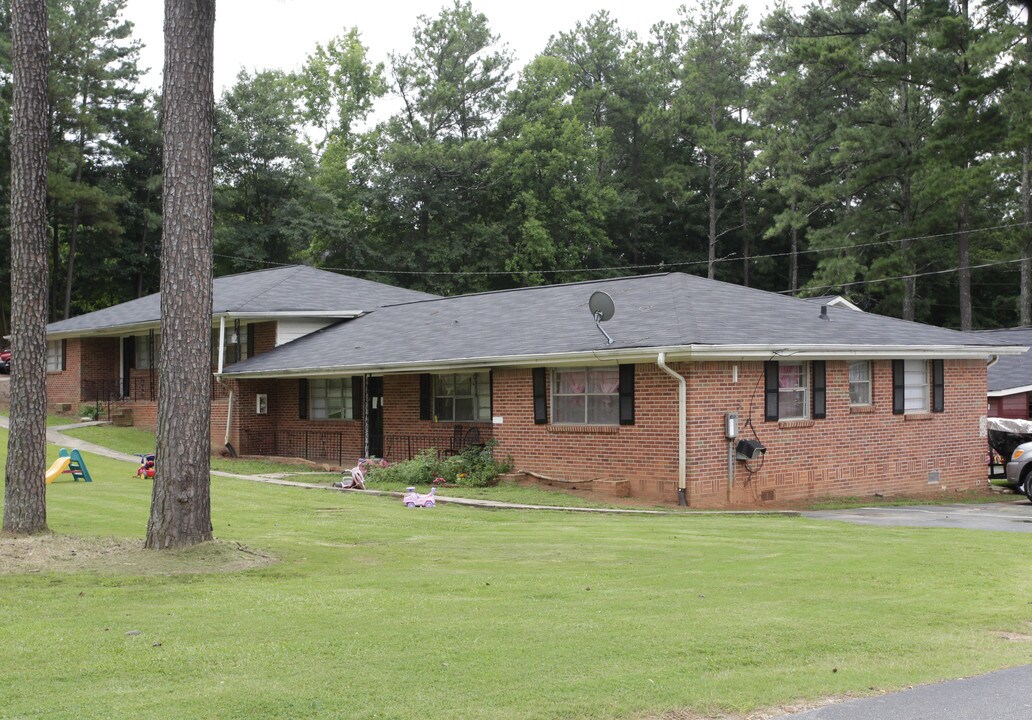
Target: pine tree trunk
(181,500)
(964,261)
(25,507)
(711,271)
(1026,240)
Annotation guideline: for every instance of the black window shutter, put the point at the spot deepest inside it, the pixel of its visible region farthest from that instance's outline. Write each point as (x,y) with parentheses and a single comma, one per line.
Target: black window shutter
(540,396)
(627,394)
(250,340)
(897,387)
(490,391)
(64,355)
(770,395)
(426,396)
(302,398)
(356,396)
(820,389)
(938,387)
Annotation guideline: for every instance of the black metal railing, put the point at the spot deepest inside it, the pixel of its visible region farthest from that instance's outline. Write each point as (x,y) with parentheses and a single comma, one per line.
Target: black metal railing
(138,388)
(330,446)
(399,447)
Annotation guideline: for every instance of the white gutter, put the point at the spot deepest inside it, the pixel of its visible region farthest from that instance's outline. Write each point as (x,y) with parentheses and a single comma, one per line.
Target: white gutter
(682,429)
(222,343)
(1010,391)
(646,355)
(294,313)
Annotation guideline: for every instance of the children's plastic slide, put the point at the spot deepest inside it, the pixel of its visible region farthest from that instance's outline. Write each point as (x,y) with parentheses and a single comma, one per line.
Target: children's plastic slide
(59,466)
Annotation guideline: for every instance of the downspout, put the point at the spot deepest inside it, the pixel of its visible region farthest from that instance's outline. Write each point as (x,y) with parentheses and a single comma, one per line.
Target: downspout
(682,430)
(218,378)
(993,359)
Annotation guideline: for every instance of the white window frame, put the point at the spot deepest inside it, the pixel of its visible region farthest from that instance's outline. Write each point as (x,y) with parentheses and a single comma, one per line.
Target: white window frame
(557,396)
(917,384)
(444,391)
(55,356)
(228,356)
(143,359)
(324,395)
(866,383)
(804,377)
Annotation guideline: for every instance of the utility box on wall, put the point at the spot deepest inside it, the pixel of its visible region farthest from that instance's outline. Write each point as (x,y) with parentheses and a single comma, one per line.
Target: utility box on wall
(261,404)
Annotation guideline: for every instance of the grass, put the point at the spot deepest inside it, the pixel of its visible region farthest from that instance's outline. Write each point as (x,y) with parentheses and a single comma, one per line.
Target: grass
(378,611)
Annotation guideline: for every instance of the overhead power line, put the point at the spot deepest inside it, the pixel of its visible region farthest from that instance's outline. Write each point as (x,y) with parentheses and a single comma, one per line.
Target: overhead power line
(733,257)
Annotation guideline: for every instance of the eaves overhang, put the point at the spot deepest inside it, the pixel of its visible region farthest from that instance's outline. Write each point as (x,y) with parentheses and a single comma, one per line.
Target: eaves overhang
(1010,391)
(148,325)
(676,353)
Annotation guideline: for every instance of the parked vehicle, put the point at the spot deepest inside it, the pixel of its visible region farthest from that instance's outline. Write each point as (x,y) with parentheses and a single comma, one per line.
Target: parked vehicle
(1011,440)
(5,361)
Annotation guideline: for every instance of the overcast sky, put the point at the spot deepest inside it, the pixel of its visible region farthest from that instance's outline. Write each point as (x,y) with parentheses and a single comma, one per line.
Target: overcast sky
(262,34)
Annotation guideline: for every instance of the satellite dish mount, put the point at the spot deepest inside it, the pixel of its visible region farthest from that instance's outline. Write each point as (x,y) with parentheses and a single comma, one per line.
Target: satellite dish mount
(602,308)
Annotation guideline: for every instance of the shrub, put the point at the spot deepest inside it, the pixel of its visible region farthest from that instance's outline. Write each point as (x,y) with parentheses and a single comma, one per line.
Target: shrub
(89,411)
(473,467)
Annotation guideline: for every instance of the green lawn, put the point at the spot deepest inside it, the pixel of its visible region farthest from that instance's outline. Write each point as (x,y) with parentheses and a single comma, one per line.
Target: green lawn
(378,611)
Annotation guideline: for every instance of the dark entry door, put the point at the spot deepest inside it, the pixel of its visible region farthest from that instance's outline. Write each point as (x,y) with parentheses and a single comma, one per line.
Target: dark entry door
(128,361)
(374,416)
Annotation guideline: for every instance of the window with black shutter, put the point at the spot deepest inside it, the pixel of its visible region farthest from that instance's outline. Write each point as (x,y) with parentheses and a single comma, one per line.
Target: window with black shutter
(770,394)
(540,395)
(627,394)
(820,389)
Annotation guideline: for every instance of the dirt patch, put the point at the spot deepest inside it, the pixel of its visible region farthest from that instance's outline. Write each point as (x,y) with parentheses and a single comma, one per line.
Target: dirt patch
(1015,637)
(70,554)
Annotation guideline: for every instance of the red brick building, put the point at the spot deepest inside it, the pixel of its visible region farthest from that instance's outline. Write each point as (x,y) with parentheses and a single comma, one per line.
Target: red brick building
(829,401)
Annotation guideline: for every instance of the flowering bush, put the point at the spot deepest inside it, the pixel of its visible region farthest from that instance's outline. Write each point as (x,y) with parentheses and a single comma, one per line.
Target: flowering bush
(474,467)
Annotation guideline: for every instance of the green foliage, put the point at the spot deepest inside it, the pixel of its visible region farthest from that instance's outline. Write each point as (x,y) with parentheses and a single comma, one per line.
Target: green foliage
(475,466)
(840,146)
(89,411)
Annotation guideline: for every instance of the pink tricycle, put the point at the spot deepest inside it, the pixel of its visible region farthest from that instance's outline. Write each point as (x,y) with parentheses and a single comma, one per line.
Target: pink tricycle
(414,499)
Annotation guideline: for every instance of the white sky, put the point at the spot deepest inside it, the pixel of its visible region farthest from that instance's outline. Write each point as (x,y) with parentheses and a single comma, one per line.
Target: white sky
(263,34)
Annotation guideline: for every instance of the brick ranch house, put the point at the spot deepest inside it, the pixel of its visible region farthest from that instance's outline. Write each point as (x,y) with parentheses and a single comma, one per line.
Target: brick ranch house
(843,402)
(110,356)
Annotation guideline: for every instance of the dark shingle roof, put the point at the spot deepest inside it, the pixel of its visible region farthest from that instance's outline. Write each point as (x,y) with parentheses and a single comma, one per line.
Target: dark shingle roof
(654,311)
(295,289)
(1010,371)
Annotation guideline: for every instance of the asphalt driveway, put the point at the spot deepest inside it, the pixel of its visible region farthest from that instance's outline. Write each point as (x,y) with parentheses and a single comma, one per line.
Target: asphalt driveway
(1013,516)
(1000,695)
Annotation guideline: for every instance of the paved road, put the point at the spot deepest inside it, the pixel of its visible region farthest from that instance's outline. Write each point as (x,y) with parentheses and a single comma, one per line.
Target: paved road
(1013,516)
(1002,695)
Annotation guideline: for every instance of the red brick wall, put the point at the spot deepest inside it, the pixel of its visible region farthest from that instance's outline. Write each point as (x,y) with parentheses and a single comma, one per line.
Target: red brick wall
(402,427)
(63,386)
(644,453)
(851,452)
(283,432)
(87,361)
(854,451)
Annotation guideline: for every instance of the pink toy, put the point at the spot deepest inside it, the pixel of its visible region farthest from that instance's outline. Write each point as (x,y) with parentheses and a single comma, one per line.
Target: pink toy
(414,499)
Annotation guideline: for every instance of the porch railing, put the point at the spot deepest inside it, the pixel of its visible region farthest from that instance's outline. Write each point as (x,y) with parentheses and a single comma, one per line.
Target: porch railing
(316,445)
(137,388)
(399,447)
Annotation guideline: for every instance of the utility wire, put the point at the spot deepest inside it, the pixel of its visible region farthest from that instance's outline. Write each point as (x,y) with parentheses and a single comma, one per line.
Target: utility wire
(733,257)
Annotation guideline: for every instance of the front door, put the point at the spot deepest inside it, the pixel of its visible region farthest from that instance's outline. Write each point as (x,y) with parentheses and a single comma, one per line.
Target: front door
(374,417)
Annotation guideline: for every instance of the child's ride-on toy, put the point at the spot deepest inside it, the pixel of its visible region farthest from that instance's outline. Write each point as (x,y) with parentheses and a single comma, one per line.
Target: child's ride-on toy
(414,499)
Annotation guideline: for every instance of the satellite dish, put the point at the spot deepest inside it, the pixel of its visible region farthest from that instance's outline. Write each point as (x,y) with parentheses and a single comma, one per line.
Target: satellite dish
(602,308)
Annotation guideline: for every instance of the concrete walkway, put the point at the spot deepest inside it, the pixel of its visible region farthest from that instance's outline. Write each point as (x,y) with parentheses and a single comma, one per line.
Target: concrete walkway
(55,436)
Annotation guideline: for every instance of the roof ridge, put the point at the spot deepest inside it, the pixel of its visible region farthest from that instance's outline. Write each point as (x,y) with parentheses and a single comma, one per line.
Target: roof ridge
(530,287)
